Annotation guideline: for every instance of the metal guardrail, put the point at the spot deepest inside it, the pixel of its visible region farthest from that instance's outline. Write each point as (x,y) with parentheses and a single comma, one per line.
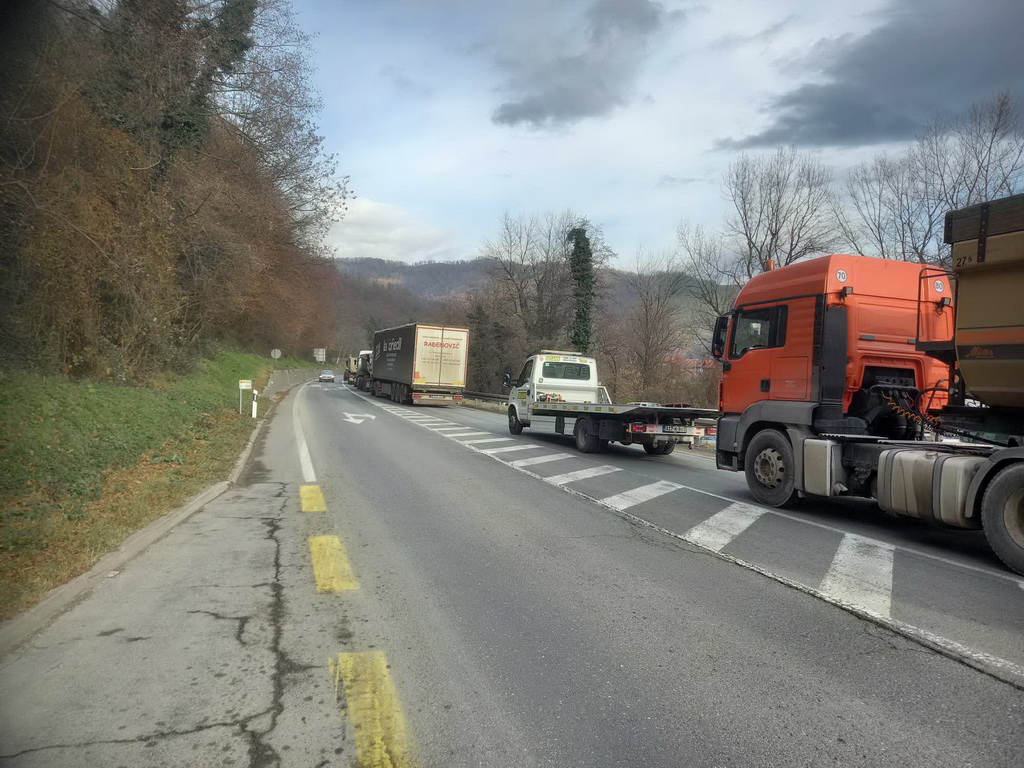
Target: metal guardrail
(285,378)
(487,397)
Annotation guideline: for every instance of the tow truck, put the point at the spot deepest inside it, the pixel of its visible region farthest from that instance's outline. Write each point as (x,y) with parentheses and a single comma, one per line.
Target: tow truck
(564,385)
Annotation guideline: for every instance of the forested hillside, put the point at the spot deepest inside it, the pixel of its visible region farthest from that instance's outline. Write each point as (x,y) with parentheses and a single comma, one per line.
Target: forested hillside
(433,280)
(162,185)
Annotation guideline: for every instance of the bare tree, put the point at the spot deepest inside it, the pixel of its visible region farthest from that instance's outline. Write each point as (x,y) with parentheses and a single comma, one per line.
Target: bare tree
(530,255)
(655,330)
(513,253)
(895,206)
(715,276)
(269,101)
(888,211)
(782,209)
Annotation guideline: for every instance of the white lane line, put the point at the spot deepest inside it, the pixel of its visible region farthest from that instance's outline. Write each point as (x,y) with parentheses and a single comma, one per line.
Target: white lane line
(509,449)
(308,475)
(1000,668)
(466,434)
(581,474)
(723,526)
(861,575)
(446,429)
(487,440)
(539,460)
(621,501)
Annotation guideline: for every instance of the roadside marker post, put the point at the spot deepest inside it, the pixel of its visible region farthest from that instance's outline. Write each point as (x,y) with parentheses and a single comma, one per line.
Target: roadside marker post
(242,384)
(254,394)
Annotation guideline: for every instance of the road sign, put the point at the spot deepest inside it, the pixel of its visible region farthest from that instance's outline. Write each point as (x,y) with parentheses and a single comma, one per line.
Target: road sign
(319,354)
(276,354)
(358,418)
(245,383)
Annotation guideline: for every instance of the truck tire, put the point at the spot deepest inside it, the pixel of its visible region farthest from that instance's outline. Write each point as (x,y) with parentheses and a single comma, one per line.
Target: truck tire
(1002,516)
(515,426)
(659,449)
(586,440)
(769,469)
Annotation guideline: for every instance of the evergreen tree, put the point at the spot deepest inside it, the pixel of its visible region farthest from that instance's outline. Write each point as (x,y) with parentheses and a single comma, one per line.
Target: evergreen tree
(581,268)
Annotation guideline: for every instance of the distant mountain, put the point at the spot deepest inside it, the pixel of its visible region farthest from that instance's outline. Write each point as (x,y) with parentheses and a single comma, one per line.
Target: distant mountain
(433,281)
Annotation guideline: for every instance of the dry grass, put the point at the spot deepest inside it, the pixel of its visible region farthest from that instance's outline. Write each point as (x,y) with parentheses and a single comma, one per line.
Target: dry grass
(83,465)
(130,499)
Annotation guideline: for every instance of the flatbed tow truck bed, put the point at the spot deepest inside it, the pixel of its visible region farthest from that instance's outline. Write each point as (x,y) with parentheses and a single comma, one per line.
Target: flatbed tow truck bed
(622,411)
(563,385)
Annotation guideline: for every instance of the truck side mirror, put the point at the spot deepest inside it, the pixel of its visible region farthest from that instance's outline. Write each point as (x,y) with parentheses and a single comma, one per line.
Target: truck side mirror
(507,381)
(718,339)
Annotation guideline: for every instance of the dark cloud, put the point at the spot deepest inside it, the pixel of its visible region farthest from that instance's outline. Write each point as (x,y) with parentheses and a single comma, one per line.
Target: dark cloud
(927,56)
(587,75)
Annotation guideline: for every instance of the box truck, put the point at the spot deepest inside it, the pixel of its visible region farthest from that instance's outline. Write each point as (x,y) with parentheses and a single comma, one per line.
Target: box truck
(419,363)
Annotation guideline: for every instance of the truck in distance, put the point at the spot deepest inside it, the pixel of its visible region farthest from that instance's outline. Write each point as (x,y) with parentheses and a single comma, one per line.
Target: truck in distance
(564,385)
(419,363)
(843,374)
(361,374)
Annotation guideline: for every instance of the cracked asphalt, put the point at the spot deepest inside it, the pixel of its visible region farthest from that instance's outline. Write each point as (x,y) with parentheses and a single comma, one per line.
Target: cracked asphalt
(523,626)
(196,653)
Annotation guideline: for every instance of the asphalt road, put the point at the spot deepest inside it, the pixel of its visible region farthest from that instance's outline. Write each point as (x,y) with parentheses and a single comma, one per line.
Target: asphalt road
(420,588)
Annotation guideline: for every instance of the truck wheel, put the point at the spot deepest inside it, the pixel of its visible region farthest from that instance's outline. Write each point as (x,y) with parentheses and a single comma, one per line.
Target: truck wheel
(1002,516)
(668,448)
(769,468)
(586,441)
(515,426)
(652,449)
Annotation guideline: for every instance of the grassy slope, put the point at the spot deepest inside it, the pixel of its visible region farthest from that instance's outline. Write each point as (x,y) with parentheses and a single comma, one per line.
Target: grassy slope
(84,464)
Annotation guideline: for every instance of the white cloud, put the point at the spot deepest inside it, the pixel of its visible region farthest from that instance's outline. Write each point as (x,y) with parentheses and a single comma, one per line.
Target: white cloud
(448,172)
(380,230)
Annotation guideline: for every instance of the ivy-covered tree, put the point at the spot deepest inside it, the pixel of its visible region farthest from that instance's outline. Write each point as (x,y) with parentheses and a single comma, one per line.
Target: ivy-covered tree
(581,268)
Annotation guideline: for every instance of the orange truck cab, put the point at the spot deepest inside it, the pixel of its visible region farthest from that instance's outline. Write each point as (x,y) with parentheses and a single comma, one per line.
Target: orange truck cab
(828,347)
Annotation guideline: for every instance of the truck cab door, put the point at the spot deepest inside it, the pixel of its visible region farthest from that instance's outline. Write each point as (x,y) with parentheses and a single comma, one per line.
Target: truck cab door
(524,391)
(748,359)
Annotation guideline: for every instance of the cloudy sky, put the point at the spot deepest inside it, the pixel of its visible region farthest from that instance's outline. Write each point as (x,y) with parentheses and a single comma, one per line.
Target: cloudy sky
(447,113)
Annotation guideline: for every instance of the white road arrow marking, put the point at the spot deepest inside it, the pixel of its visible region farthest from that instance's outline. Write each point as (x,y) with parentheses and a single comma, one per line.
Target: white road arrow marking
(358,418)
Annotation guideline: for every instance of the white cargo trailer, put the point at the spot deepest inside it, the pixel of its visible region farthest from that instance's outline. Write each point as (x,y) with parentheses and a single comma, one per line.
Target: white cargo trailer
(419,363)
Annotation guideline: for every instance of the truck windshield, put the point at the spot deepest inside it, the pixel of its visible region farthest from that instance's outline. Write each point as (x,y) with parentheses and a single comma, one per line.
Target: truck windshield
(572,371)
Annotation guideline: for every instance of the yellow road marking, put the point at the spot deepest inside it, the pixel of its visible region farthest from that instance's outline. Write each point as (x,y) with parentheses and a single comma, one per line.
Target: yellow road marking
(312,498)
(372,704)
(330,565)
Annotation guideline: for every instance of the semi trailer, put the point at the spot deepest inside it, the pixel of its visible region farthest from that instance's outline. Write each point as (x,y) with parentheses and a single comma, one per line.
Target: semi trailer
(853,376)
(564,385)
(419,364)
